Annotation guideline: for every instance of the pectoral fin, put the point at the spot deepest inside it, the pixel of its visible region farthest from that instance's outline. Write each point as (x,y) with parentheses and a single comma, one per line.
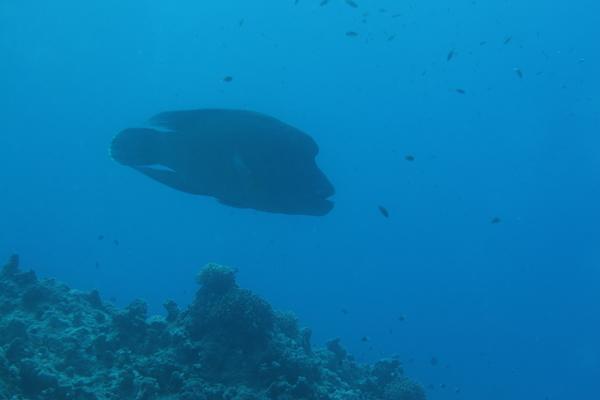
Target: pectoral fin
(172,178)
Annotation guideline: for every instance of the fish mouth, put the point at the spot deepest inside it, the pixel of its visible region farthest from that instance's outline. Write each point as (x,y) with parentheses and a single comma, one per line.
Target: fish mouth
(321,198)
(320,206)
(327,207)
(324,188)
(306,204)
(330,203)
(325,192)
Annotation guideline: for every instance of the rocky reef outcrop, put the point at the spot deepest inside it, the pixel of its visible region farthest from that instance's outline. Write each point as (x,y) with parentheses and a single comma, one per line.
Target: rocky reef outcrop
(229,344)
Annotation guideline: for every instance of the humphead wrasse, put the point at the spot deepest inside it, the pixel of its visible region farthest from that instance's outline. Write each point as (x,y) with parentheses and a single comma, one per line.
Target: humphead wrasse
(243,159)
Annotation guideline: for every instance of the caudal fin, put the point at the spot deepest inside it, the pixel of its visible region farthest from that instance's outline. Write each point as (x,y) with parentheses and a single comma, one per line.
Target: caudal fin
(136,147)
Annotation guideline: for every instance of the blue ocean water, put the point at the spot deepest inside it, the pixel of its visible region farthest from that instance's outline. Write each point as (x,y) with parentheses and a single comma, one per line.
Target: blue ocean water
(489,262)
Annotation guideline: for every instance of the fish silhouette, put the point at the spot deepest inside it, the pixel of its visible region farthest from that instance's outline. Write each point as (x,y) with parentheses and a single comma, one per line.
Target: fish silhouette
(244,159)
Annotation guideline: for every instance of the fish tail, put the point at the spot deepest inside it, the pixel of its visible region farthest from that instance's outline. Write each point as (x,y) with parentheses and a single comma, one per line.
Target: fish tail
(136,146)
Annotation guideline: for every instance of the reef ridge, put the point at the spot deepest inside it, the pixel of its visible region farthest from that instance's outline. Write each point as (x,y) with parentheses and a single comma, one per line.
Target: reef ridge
(229,344)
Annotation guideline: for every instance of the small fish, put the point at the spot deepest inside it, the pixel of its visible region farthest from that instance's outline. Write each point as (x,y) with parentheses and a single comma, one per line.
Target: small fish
(391,37)
(518,71)
(351,34)
(383,211)
(402,318)
(344,311)
(116,242)
(434,361)
(323,2)
(409,157)
(495,220)
(364,339)
(507,39)
(97,265)
(352,3)
(483,43)
(442,385)
(450,55)
(461,91)
(241,23)
(228,78)
(100,237)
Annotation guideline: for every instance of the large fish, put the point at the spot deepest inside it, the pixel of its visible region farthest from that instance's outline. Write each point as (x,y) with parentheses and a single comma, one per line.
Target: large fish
(243,159)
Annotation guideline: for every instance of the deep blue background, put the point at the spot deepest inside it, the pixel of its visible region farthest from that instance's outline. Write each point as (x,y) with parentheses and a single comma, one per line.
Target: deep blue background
(511,310)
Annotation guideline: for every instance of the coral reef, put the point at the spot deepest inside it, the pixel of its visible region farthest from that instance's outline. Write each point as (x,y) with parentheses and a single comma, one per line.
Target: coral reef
(229,344)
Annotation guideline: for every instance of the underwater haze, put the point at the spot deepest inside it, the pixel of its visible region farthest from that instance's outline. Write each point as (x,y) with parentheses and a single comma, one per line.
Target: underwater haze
(462,139)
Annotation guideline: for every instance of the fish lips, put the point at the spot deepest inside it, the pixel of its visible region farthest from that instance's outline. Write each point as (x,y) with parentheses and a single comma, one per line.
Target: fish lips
(325,189)
(324,207)
(315,206)
(320,202)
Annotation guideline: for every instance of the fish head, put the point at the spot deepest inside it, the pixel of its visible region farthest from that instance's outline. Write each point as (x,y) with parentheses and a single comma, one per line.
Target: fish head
(310,192)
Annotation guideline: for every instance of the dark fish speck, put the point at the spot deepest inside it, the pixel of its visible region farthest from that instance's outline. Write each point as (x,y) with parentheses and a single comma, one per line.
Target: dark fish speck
(383,211)
(518,71)
(228,79)
(409,157)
